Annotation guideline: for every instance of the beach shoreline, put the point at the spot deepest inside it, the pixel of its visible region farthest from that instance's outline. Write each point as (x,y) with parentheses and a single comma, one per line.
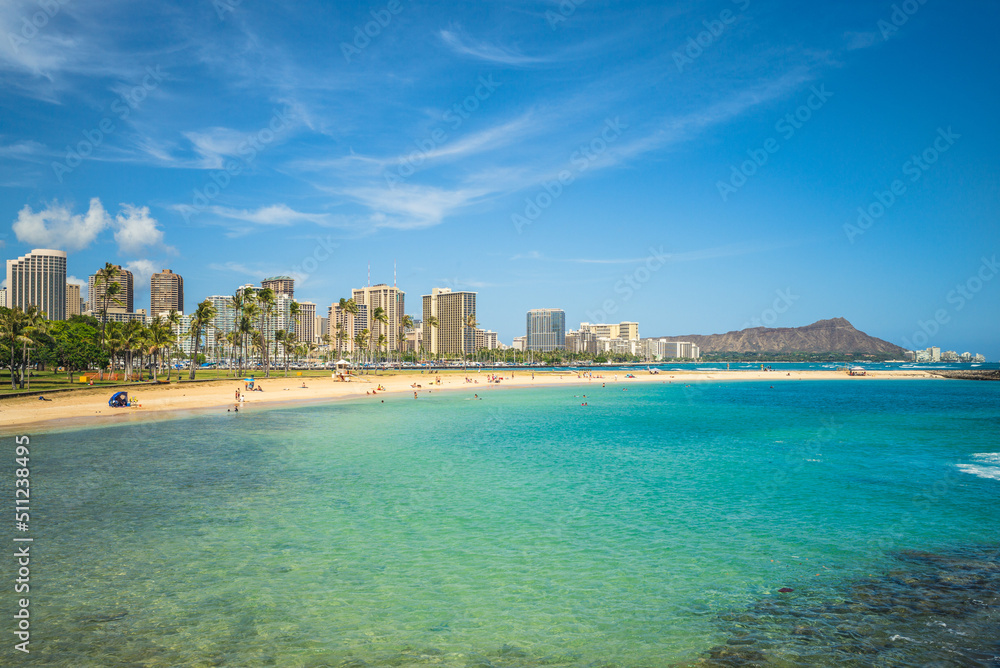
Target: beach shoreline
(89,407)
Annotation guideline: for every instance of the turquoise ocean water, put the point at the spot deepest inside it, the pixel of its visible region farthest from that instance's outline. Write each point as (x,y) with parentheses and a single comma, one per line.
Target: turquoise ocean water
(654,526)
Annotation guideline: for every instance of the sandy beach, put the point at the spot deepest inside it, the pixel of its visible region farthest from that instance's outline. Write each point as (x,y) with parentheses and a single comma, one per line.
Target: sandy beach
(89,407)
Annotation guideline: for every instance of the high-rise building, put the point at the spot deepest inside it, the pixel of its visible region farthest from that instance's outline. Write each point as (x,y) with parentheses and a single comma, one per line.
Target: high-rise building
(414,336)
(305,328)
(3,297)
(623,330)
(38,278)
(392,300)
(74,305)
(320,327)
(486,339)
(452,310)
(345,326)
(280,285)
(124,303)
(166,293)
(546,329)
(216,343)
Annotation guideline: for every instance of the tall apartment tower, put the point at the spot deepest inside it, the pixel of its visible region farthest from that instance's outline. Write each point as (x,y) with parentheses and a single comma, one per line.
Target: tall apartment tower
(305,328)
(452,335)
(38,278)
(73,302)
(546,329)
(392,300)
(166,293)
(344,326)
(280,285)
(122,277)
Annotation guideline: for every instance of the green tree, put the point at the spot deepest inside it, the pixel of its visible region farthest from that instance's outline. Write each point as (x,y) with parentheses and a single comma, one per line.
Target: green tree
(200,319)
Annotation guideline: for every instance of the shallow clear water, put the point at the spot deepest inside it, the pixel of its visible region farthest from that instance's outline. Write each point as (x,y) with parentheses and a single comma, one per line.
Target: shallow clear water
(644,529)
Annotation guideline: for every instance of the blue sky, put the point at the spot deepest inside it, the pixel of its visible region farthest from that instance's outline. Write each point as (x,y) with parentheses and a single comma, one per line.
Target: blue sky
(696,166)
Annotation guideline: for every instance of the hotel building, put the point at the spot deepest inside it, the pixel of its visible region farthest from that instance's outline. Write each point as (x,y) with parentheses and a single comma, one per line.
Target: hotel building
(166,293)
(392,300)
(38,278)
(546,329)
(95,299)
(305,328)
(280,285)
(74,304)
(452,336)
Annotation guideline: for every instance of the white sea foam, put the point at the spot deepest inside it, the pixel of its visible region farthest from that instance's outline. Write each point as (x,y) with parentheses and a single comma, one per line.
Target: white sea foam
(987,457)
(991,472)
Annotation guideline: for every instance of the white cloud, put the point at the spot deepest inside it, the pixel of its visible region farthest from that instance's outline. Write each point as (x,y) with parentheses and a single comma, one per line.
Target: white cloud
(273,215)
(137,230)
(142,271)
(483,51)
(76,281)
(56,227)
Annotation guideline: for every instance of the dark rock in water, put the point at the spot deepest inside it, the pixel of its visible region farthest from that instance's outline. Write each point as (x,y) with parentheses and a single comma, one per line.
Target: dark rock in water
(970,374)
(931,609)
(786,590)
(512,651)
(736,656)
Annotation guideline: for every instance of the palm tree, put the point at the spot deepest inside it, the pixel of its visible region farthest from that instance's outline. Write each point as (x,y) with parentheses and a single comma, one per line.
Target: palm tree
(248,334)
(237,302)
(173,320)
(265,298)
(405,323)
(11,325)
(34,328)
(341,336)
(288,344)
(360,340)
(105,276)
(378,319)
(133,337)
(432,322)
(383,343)
(160,337)
(201,318)
(350,307)
(470,322)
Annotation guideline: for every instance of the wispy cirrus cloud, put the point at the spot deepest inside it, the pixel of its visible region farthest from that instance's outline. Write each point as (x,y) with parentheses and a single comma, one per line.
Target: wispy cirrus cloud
(461,44)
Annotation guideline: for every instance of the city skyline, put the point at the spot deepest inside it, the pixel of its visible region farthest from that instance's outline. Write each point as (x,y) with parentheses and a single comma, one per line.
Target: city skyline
(381,294)
(615,161)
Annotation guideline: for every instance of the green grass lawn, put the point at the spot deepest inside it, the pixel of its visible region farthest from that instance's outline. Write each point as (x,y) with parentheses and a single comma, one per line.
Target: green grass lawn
(43,381)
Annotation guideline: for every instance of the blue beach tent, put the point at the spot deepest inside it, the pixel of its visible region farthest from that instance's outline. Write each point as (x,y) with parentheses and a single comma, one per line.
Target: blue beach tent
(119,400)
